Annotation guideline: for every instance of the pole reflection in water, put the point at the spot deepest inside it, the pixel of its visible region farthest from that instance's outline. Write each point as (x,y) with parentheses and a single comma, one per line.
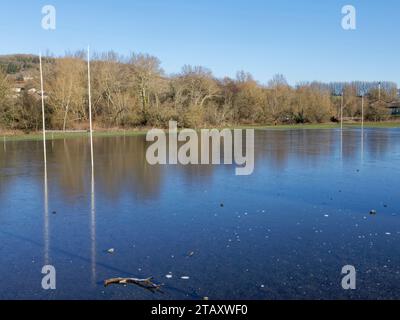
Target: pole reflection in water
(93,228)
(362,145)
(46,216)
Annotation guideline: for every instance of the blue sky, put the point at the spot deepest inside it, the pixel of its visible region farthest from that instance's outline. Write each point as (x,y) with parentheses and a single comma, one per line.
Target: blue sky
(302,39)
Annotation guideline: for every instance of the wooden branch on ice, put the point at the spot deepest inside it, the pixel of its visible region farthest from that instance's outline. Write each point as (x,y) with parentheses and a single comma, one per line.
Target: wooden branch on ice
(143,283)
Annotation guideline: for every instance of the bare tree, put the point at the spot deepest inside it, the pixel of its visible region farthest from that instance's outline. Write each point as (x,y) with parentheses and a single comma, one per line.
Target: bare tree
(67,90)
(134,91)
(146,71)
(5,112)
(197,85)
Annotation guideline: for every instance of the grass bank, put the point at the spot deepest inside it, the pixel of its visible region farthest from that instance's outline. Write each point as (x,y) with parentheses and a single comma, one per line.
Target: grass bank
(35,136)
(324,126)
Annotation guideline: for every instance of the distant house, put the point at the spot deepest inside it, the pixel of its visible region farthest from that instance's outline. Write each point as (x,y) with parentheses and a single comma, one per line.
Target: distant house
(19,87)
(394,108)
(39,94)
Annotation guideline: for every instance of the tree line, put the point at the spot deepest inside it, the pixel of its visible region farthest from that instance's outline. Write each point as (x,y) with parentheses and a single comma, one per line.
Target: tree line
(134,91)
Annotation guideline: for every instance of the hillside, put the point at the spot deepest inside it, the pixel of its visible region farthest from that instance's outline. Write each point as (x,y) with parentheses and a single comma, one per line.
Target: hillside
(19,64)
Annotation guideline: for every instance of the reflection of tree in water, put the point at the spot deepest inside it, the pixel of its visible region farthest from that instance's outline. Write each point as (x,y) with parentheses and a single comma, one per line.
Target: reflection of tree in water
(121,166)
(67,159)
(276,149)
(351,144)
(379,142)
(20,159)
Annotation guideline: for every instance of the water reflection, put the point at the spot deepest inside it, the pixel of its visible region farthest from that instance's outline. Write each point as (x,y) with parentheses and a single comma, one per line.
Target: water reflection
(121,168)
(93,216)
(362,144)
(46,210)
(93,230)
(305,200)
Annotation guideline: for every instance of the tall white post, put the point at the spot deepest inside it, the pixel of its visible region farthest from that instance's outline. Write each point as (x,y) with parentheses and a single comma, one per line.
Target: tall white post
(362,127)
(341,126)
(43,114)
(341,112)
(90,107)
(380,88)
(362,111)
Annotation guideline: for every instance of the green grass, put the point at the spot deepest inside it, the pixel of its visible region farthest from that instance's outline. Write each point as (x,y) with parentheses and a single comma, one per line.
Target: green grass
(315,126)
(38,136)
(323,126)
(116,133)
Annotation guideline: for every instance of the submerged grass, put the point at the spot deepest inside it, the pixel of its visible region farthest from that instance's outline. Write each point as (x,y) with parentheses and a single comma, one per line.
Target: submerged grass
(36,136)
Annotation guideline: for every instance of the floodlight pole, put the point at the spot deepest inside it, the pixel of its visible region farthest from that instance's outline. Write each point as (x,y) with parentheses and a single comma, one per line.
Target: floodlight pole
(362,126)
(341,112)
(379,95)
(362,111)
(341,125)
(43,114)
